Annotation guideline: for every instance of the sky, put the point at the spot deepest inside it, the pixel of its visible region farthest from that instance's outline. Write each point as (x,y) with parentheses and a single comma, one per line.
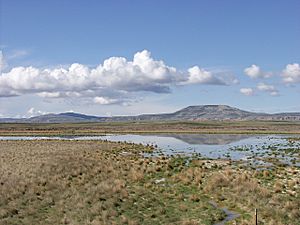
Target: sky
(131,57)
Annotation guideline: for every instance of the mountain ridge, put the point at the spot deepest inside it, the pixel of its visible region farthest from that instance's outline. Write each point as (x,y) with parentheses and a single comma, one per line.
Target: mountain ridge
(190,113)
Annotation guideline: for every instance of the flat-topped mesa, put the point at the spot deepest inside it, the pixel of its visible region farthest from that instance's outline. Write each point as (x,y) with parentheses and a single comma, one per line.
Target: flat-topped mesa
(213,112)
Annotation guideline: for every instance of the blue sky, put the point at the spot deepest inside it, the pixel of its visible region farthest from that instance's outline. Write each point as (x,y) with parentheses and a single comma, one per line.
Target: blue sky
(199,53)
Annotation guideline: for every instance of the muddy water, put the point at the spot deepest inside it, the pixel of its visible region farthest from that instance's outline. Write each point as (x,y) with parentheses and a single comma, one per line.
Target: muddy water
(230,215)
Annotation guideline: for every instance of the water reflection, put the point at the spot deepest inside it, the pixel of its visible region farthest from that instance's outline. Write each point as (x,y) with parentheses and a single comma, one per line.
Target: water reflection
(208,139)
(215,146)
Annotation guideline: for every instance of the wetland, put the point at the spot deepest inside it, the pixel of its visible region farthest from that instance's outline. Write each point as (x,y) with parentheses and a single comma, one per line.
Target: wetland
(155,178)
(104,182)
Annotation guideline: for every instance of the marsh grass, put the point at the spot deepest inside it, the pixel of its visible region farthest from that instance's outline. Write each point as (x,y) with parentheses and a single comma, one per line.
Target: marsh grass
(246,190)
(100,182)
(92,182)
(206,127)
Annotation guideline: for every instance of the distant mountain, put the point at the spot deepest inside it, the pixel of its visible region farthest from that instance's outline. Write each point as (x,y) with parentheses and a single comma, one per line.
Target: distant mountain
(67,117)
(191,113)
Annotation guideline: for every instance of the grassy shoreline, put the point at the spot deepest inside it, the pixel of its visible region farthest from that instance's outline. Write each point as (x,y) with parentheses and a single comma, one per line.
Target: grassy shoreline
(101,182)
(42,134)
(188,127)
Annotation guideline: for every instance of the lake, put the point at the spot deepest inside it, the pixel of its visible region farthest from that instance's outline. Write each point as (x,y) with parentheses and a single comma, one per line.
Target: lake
(252,148)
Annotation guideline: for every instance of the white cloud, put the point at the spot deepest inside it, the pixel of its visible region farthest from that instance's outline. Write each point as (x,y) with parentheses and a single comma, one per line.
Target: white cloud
(260,87)
(4,92)
(265,87)
(57,94)
(33,112)
(274,93)
(254,71)
(104,101)
(247,91)
(291,73)
(268,88)
(202,76)
(116,78)
(49,94)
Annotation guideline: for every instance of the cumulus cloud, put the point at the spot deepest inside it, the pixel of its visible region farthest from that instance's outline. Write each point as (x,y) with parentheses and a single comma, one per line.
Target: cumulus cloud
(274,93)
(291,73)
(4,92)
(104,101)
(33,112)
(254,71)
(198,75)
(260,87)
(265,87)
(268,88)
(49,94)
(109,83)
(247,91)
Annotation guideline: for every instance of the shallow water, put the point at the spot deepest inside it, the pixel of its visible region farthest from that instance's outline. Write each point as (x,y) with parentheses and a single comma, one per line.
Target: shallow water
(215,146)
(230,215)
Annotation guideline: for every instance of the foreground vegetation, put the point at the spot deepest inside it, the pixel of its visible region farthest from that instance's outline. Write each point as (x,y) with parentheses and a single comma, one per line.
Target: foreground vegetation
(206,127)
(99,182)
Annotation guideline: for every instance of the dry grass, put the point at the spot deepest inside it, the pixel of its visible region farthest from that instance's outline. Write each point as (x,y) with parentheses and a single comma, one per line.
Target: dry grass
(246,190)
(72,183)
(98,182)
(220,127)
(89,182)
